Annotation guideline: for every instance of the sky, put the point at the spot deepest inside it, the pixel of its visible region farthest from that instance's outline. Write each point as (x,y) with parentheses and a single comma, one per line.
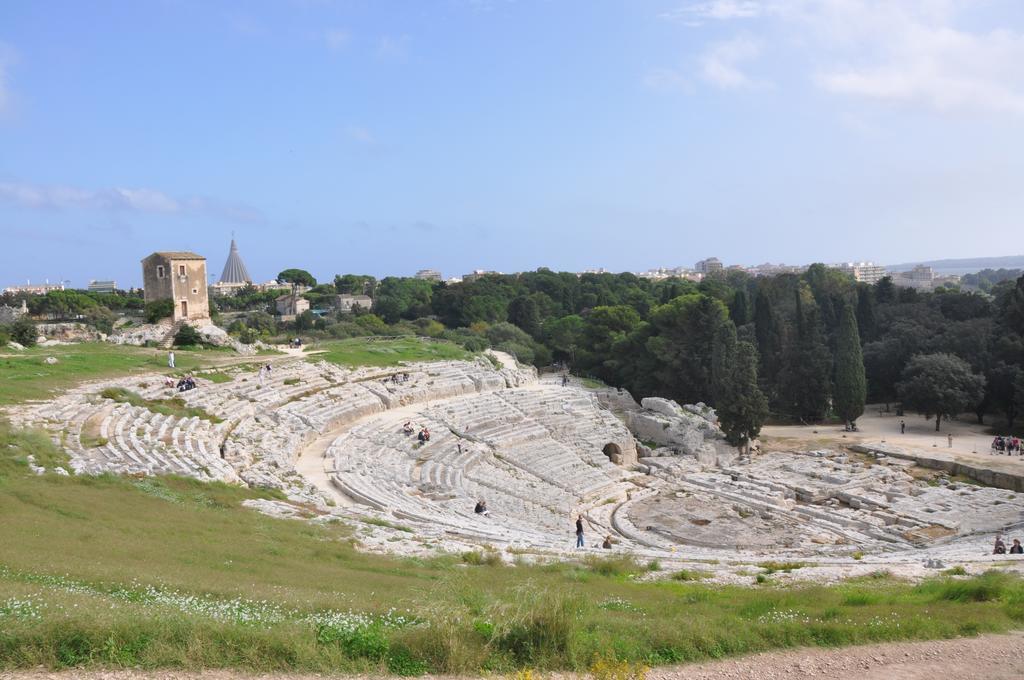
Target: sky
(387,136)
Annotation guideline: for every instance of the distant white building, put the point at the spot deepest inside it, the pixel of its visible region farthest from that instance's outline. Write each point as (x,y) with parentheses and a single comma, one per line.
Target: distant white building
(768,269)
(923,278)
(102,286)
(661,273)
(709,266)
(918,278)
(429,275)
(476,274)
(35,288)
(862,272)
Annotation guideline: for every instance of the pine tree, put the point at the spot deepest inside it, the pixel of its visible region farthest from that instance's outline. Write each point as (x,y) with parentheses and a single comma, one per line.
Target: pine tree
(850,384)
(743,409)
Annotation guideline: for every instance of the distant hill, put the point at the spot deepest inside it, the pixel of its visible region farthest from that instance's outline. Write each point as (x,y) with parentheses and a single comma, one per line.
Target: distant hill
(965,265)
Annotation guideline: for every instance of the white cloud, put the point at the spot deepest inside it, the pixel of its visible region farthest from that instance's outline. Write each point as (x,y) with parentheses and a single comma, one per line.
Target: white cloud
(337,39)
(914,53)
(940,68)
(118,199)
(717,9)
(720,65)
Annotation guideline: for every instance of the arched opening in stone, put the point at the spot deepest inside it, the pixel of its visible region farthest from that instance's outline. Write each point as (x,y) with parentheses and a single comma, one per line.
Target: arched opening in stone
(613,452)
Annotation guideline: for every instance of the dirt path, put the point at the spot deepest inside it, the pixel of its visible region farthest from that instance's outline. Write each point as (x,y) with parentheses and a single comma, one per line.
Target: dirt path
(992,657)
(971,442)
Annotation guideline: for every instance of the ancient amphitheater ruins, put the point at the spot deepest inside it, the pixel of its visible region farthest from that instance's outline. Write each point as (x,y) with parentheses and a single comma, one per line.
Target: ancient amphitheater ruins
(655,477)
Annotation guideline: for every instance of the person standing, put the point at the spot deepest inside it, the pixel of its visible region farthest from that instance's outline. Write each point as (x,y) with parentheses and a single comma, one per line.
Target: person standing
(170,359)
(259,377)
(579,531)
(903,427)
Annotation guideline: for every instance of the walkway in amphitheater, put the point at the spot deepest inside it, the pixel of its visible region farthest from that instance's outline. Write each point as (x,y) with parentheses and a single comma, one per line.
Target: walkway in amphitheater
(332,440)
(991,657)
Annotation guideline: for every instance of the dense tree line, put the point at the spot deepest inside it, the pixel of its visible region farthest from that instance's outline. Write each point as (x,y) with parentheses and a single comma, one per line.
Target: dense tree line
(822,344)
(801,348)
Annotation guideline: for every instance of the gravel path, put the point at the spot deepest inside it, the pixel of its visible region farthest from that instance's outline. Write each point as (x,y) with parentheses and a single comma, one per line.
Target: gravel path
(992,657)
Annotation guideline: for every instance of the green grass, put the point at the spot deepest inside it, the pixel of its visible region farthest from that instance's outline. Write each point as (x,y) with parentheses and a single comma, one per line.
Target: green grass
(111,572)
(25,376)
(772,567)
(168,407)
(370,352)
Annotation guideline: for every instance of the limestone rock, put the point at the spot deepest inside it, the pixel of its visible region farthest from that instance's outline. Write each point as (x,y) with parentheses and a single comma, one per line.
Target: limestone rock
(50,360)
(15,345)
(689,430)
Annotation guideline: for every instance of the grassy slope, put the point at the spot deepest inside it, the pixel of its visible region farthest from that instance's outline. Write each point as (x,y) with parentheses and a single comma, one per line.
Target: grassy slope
(370,352)
(103,534)
(25,376)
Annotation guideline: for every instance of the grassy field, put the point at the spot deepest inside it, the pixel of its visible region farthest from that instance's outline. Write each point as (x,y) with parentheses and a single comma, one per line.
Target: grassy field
(24,375)
(169,572)
(389,352)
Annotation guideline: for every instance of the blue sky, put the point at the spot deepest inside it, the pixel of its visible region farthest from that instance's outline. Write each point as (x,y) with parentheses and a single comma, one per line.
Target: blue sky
(384,137)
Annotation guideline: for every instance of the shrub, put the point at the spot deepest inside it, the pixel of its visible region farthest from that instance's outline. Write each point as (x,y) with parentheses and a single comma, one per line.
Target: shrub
(187,336)
(158,309)
(478,558)
(689,575)
(772,567)
(363,642)
(613,566)
(23,331)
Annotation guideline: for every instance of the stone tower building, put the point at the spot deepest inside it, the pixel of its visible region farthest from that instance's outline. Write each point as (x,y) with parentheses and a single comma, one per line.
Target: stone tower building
(181,277)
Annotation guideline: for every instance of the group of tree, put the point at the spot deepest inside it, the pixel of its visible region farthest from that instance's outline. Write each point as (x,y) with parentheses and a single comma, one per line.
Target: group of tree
(813,346)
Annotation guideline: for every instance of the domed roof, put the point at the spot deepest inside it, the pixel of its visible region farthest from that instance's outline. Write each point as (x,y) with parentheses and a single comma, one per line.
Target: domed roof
(234,268)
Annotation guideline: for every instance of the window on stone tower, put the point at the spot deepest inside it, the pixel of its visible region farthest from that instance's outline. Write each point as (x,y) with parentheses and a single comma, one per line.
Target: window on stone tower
(181,270)
(159,271)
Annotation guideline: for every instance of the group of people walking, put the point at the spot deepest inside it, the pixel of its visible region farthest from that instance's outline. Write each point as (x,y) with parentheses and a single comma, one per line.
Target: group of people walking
(1007,445)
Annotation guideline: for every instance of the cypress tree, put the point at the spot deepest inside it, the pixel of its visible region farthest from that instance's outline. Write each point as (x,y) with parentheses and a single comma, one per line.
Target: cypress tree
(806,376)
(743,409)
(866,322)
(850,384)
(769,340)
(739,310)
(723,356)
